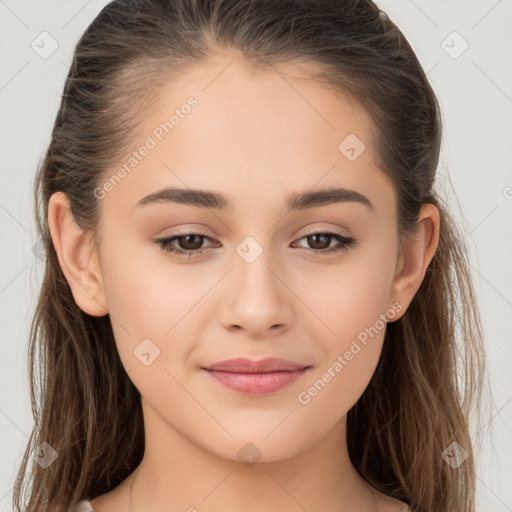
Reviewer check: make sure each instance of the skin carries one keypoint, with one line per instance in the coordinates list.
(256, 137)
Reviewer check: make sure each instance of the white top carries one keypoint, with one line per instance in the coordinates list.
(84, 506)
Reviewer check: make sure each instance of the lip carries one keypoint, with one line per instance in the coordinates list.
(243, 365)
(256, 377)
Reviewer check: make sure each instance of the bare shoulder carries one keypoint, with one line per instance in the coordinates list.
(395, 506)
(402, 507)
(389, 504)
(108, 502)
(105, 503)
(114, 500)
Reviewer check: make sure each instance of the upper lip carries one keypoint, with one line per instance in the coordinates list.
(243, 365)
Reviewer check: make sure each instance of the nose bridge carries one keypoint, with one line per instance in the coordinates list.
(253, 269)
(257, 299)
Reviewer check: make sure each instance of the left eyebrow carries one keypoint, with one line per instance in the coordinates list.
(209, 199)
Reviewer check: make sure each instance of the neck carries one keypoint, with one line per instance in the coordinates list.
(178, 475)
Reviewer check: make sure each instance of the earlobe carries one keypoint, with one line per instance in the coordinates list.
(415, 257)
(77, 256)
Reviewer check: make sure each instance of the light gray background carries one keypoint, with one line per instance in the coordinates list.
(475, 92)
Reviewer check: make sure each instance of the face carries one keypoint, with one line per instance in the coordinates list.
(261, 276)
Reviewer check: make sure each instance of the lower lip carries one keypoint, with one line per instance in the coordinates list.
(257, 383)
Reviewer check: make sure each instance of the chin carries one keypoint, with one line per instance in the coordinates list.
(257, 447)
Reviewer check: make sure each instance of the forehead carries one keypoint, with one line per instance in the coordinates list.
(269, 131)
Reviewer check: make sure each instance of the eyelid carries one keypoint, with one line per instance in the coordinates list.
(313, 231)
(344, 242)
(185, 232)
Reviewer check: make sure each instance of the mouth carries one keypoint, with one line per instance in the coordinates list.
(256, 377)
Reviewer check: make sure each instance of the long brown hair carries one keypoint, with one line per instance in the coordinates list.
(418, 402)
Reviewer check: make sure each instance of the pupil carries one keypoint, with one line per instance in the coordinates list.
(314, 237)
(194, 246)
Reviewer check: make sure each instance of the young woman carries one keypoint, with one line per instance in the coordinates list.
(254, 293)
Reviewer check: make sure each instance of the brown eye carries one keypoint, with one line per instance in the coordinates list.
(320, 242)
(189, 244)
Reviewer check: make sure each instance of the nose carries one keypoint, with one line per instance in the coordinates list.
(258, 298)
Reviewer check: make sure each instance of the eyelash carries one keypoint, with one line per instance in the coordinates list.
(165, 243)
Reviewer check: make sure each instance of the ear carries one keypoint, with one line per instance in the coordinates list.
(415, 256)
(78, 257)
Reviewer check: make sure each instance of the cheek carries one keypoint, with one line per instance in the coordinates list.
(351, 300)
(149, 298)
(144, 293)
(350, 296)
(141, 305)
(350, 356)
